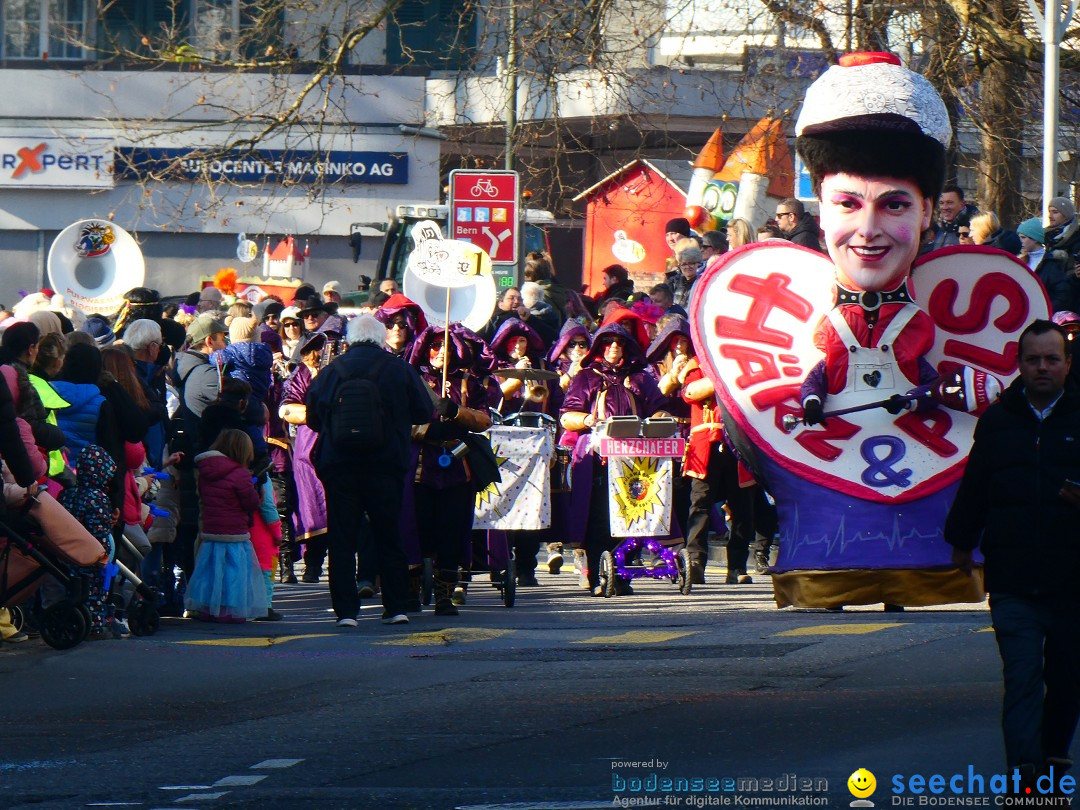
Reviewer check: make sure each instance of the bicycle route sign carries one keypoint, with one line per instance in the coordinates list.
(484, 211)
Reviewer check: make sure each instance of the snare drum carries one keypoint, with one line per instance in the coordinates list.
(561, 464)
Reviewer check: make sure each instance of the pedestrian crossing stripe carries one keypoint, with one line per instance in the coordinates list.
(260, 641)
(638, 637)
(838, 629)
(438, 638)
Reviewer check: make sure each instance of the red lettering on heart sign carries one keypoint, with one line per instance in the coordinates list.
(818, 441)
(757, 365)
(989, 287)
(928, 428)
(766, 295)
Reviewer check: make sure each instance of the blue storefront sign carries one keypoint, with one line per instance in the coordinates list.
(268, 165)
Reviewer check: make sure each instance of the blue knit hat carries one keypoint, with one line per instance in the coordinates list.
(1032, 229)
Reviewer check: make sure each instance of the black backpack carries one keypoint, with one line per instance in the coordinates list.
(356, 417)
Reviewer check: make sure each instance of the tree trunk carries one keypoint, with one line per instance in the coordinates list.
(1003, 118)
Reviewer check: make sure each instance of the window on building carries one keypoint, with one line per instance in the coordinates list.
(438, 34)
(43, 29)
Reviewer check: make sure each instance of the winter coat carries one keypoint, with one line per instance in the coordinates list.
(80, 419)
(1008, 502)
(403, 399)
(88, 501)
(806, 233)
(134, 458)
(251, 362)
(266, 528)
(1060, 282)
(227, 497)
(198, 379)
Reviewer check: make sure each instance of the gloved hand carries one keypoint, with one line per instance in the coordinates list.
(445, 432)
(813, 412)
(446, 408)
(896, 403)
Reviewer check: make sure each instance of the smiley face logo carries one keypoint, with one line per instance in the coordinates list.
(861, 783)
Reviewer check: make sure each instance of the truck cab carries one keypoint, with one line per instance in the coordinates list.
(398, 242)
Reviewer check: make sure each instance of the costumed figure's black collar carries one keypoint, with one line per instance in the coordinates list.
(871, 301)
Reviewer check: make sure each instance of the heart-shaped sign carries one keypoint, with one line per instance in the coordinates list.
(753, 319)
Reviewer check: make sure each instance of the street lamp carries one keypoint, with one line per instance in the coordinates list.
(1053, 28)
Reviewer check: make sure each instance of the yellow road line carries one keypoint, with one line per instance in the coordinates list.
(453, 635)
(638, 637)
(253, 642)
(838, 629)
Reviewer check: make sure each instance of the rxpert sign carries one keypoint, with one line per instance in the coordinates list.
(49, 162)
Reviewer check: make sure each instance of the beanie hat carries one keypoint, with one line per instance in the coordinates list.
(265, 308)
(1032, 229)
(242, 330)
(99, 329)
(1063, 205)
(678, 225)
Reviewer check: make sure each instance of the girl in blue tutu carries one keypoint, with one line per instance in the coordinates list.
(227, 584)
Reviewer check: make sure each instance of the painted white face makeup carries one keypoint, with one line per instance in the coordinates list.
(872, 228)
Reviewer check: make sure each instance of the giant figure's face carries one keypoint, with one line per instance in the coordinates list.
(872, 228)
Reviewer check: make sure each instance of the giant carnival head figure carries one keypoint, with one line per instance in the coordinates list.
(873, 136)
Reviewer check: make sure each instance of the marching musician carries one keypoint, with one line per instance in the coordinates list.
(565, 357)
(517, 345)
(404, 320)
(443, 494)
(613, 382)
(310, 496)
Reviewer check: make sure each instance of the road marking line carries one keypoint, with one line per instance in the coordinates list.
(440, 638)
(838, 629)
(184, 787)
(253, 642)
(985, 630)
(196, 797)
(276, 763)
(113, 804)
(237, 781)
(638, 637)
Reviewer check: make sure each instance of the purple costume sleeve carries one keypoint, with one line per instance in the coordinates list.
(815, 384)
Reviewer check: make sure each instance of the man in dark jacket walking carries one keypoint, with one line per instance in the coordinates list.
(798, 226)
(370, 483)
(1018, 503)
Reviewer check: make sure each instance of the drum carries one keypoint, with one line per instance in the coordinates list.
(561, 464)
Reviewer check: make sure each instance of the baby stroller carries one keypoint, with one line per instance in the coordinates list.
(143, 617)
(28, 555)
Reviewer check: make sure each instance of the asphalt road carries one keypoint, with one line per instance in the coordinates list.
(551, 704)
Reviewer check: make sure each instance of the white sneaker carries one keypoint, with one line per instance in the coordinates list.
(395, 618)
(347, 622)
(120, 628)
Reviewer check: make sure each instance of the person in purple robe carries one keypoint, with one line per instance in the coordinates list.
(614, 381)
(565, 357)
(668, 355)
(517, 345)
(443, 494)
(404, 320)
(310, 496)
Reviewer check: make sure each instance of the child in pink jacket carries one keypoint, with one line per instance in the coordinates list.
(226, 584)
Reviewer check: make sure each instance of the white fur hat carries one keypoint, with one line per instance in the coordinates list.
(873, 91)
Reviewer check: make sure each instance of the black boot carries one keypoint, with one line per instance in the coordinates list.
(445, 582)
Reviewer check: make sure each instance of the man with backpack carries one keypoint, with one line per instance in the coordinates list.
(363, 406)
